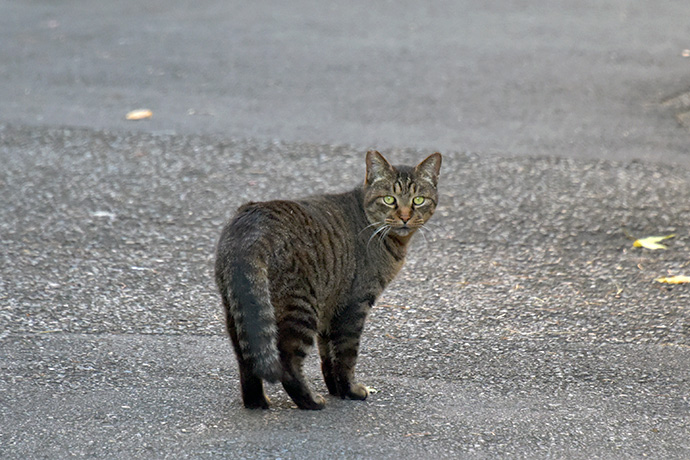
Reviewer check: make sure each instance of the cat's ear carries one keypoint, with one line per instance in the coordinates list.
(377, 167)
(430, 167)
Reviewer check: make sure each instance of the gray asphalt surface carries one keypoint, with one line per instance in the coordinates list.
(524, 325)
(586, 78)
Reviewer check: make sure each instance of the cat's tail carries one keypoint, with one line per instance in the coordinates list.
(254, 317)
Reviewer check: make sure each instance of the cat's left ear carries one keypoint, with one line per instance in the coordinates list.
(430, 168)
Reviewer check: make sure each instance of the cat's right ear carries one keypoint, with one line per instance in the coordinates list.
(377, 167)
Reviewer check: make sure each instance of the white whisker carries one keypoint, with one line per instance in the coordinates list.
(422, 231)
(382, 230)
(433, 231)
(370, 225)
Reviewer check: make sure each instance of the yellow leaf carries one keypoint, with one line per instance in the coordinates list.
(139, 114)
(679, 279)
(652, 242)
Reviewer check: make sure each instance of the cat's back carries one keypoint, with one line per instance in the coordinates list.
(313, 224)
(288, 217)
(310, 239)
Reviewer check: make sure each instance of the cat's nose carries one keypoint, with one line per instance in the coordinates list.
(405, 214)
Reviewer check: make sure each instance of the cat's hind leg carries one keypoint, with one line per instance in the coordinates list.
(346, 330)
(253, 394)
(296, 332)
(252, 387)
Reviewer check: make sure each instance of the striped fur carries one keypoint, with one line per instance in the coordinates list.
(292, 272)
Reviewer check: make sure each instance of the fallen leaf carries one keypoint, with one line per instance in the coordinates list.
(139, 114)
(679, 279)
(652, 242)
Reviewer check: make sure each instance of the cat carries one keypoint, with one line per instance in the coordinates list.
(290, 272)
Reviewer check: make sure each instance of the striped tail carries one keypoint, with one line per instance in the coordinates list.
(255, 320)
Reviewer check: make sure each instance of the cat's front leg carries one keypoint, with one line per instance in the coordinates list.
(346, 330)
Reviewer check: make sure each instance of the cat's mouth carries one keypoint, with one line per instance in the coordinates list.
(404, 230)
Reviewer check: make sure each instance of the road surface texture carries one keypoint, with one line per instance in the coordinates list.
(588, 78)
(524, 324)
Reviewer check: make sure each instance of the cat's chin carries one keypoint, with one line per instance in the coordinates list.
(404, 231)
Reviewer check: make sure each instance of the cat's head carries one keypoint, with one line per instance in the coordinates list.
(398, 200)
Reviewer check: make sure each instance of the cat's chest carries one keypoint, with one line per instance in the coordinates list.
(375, 274)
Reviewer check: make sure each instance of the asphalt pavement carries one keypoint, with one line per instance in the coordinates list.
(524, 324)
(586, 79)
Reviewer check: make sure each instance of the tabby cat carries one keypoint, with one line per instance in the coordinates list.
(292, 271)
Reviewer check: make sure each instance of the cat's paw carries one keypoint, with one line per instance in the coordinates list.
(318, 402)
(348, 390)
(257, 404)
(358, 392)
(256, 401)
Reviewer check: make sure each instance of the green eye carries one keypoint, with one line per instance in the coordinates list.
(389, 200)
(419, 200)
